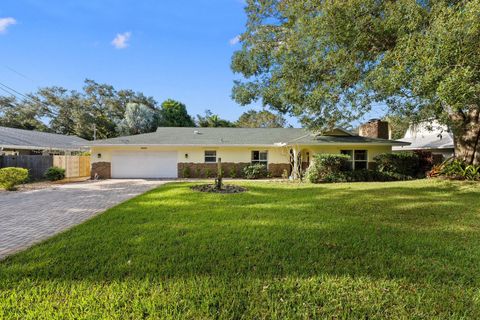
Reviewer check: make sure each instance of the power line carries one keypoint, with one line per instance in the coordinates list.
(11, 89)
(19, 73)
(11, 94)
(25, 97)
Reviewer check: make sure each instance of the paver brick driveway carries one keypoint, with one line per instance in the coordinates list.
(31, 216)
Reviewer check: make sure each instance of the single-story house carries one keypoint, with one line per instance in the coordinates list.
(428, 136)
(194, 152)
(28, 142)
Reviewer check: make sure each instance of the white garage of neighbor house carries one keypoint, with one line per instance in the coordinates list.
(173, 152)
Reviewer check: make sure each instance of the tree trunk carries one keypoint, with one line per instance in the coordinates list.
(297, 164)
(466, 132)
(219, 180)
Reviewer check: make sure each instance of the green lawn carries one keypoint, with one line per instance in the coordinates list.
(281, 250)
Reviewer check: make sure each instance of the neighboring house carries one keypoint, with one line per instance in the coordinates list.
(428, 136)
(193, 152)
(27, 142)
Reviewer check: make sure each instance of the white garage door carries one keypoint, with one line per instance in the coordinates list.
(144, 165)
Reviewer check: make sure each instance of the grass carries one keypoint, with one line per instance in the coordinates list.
(362, 250)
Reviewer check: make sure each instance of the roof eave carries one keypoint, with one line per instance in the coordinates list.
(277, 144)
(17, 147)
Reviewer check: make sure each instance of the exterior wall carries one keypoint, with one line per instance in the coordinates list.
(197, 154)
(209, 170)
(372, 151)
(233, 158)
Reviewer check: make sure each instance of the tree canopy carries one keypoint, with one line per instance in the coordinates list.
(174, 114)
(260, 119)
(18, 115)
(212, 120)
(328, 62)
(97, 107)
(138, 119)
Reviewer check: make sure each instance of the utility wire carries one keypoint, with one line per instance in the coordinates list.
(11, 94)
(18, 73)
(25, 97)
(11, 89)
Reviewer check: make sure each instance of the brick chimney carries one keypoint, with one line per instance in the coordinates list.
(375, 128)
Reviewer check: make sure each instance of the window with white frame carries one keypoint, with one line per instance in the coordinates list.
(210, 156)
(358, 159)
(260, 157)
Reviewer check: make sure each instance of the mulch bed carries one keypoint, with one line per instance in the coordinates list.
(228, 188)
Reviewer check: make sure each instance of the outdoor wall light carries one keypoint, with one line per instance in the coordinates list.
(99, 155)
(186, 155)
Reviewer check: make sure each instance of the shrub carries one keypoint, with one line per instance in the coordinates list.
(233, 171)
(198, 173)
(374, 175)
(333, 168)
(11, 177)
(255, 171)
(55, 173)
(426, 160)
(457, 169)
(186, 173)
(472, 172)
(208, 173)
(403, 163)
(326, 167)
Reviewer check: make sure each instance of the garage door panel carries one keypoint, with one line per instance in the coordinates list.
(144, 165)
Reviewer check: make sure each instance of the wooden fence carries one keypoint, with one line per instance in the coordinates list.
(36, 164)
(75, 166)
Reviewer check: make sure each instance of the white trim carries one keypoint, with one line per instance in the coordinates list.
(205, 156)
(353, 157)
(82, 148)
(259, 161)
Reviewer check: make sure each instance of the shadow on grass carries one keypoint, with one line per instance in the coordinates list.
(419, 232)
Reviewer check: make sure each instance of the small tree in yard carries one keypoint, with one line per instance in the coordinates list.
(11, 177)
(219, 179)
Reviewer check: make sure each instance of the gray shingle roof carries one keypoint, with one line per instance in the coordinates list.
(27, 139)
(235, 136)
(427, 135)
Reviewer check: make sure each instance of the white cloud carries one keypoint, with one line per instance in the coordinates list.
(121, 40)
(5, 23)
(234, 41)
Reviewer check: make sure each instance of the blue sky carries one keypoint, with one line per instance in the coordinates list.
(176, 48)
(179, 49)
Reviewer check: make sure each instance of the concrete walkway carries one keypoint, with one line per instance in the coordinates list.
(32, 216)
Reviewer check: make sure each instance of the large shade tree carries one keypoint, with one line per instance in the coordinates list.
(261, 119)
(174, 114)
(15, 113)
(96, 110)
(327, 62)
